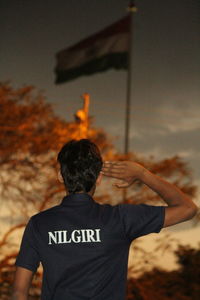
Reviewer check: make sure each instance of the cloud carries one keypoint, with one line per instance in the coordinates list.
(165, 120)
(189, 153)
(180, 120)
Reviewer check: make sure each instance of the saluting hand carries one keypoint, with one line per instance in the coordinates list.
(126, 171)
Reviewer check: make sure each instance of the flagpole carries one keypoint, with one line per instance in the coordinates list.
(132, 9)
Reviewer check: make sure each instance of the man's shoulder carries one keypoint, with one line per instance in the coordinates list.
(47, 212)
(110, 210)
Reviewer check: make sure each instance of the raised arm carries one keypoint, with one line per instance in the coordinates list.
(180, 207)
(22, 282)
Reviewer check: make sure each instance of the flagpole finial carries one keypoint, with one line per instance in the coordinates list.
(132, 7)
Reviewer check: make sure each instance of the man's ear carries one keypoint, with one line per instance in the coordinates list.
(99, 178)
(60, 178)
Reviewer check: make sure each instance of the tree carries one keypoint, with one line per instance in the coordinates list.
(31, 135)
(181, 284)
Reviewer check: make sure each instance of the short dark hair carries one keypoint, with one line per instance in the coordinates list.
(81, 163)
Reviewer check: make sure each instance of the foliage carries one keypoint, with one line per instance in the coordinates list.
(181, 284)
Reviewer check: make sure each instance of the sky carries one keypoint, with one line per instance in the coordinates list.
(165, 104)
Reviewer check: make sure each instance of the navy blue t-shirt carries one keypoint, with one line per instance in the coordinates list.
(83, 246)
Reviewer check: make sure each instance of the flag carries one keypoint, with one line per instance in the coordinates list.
(102, 51)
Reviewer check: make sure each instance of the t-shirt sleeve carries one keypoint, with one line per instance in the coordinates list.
(142, 219)
(28, 256)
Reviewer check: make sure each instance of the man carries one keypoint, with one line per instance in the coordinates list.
(83, 246)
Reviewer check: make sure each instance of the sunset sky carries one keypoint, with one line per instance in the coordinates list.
(166, 85)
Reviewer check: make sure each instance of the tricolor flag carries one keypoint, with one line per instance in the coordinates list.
(102, 51)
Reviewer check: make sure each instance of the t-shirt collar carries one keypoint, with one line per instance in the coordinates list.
(77, 199)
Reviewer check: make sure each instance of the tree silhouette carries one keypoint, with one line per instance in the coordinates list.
(181, 284)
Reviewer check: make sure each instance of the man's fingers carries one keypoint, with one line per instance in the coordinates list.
(116, 164)
(113, 174)
(113, 167)
(111, 170)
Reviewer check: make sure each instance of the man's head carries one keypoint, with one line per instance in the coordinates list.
(80, 163)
